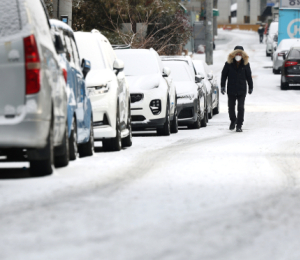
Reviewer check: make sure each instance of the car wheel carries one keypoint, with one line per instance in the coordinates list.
(197, 124)
(166, 130)
(174, 124)
(267, 54)
(216, 110)
(62, 155)
(114, 144)
(87, 149)
(44, 167)
(204, 120)
(127, 141)
(210, 114)
(73, 147)
(284, 86)
(276, 71)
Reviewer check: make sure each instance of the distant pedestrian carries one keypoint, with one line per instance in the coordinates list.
(238, 73)
(261, 31)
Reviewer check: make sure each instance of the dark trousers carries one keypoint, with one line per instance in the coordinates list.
(240, 107)
(261, 37)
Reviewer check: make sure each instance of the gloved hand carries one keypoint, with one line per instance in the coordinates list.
(250, 91)
(223, 90)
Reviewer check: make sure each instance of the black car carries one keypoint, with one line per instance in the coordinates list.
(290, 70)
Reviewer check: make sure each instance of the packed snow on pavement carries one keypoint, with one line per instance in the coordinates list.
(200, 194)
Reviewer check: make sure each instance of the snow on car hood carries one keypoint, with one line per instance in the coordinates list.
(183, 87)
(143, 82)
(98, 77)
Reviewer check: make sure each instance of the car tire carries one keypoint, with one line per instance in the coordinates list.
(204, 120)
(210, 114)
(276, 71)
(197, 124)
(283, 86)
(87, 149)
(127, 141)
(62, 160)
(174, 124)
(114, 144)
(216, 110)
(166, 129)
(40, 168)
(73, 147)
(268, 54)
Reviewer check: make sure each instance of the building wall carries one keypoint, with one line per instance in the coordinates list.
(224, 11)
(64, 8)
(242, 11)
(255, 11)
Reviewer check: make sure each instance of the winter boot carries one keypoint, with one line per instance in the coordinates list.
(239, 128)
(232, 125)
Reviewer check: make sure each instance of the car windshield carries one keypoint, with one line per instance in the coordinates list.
(294, 54)
(179, 70)
(89, 49)
(273, 28)
(200, 68)
(138, 63)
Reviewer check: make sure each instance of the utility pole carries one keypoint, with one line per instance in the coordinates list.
(215, 18)
(209, 32)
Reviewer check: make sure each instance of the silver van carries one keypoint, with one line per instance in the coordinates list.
(33, 101)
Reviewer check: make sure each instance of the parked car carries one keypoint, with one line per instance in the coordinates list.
(211, 96)
(80, 117)
(153, 99)
(290, 72)
(272, 30)
(108, 90)
(191, 103)
(211, 81)
(33, 100)
(282, 50)
(275, 43)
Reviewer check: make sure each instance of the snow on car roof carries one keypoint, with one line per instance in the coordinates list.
(60, 25)
(286, 44)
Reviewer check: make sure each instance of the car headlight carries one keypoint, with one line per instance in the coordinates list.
(188, 96)
(101, 89)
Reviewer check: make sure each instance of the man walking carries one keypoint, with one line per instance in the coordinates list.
(261, 31)
(237, 71)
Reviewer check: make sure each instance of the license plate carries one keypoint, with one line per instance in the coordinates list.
(294, 85)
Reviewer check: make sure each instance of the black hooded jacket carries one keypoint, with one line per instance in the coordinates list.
(237, 76)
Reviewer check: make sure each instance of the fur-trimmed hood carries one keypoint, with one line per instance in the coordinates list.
(244, 56)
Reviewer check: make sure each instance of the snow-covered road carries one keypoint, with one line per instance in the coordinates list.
(199, 194)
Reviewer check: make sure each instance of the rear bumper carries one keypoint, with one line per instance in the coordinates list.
(104, 132)
(292, 81)
(27, 134)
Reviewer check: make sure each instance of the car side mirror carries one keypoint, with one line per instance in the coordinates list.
(86, 67)
(166, 72)
(284, 56)
(59, 47)
(118, 66)
(198, 78)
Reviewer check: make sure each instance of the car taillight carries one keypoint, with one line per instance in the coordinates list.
(32, 65)
(290, 63)
(65, 73)
(280, 54)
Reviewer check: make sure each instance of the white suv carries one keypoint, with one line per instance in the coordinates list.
(108, 91)
(153, 95)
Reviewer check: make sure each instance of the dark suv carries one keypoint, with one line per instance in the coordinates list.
(290, 71)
